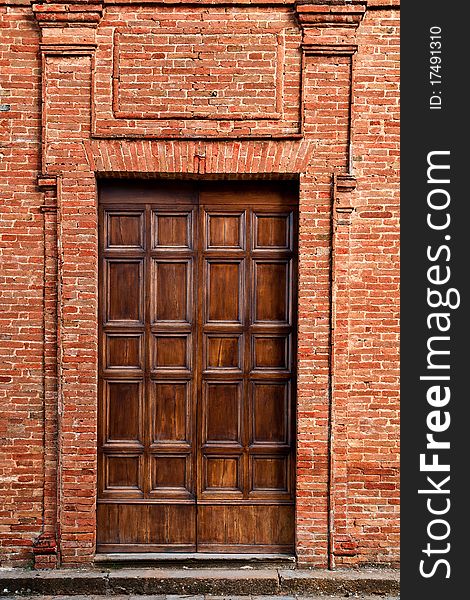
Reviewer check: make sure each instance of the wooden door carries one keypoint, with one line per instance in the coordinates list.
(197, 368)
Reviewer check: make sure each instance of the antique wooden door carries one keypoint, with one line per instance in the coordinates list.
(196, 448)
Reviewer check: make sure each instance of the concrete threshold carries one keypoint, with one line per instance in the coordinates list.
(189, 581)
(197, 560)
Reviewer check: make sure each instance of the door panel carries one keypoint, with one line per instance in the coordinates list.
(170, 404)
(171, 352)
(225, 231)
(222, 474)
(272, 231)
(172, 230)
(271, 353)
(124, 230)
(222, 409)
(171, 292)
(271, 290)
(123, 412)
(246, 528)
(123, 475)
(197, 368)
(270, 412)
(125, 291)
(144, 527)
(123, 351)
(223, 352)
(224, 288)
(171, 473)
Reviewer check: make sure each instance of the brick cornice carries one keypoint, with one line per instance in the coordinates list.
(371, 4)
(61, 49)
(48, 185)
(47, 182)
(346, 183)
(380, 4)
(329, 49)
(343, 186)
(330, 13)
(310, 13)
(68, 28)
(80, 14)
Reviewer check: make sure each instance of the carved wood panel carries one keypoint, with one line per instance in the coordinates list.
(197, 369)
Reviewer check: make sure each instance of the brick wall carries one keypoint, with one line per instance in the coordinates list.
(249, 89)
(21, 286)
(368, 385)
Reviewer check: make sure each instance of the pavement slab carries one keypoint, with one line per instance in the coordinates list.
(174, 597)
(199, 584)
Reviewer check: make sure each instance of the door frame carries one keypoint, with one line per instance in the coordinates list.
(325, 207)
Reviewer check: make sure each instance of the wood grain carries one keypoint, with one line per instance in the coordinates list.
(197, 367)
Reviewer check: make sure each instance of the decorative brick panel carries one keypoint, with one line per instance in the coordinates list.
(172, 72)
(211, 75)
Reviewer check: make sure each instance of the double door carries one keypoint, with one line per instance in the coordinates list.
(197, 368)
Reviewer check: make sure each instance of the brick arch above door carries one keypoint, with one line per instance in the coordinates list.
(203, 157)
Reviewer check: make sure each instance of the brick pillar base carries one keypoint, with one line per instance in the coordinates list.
(45, 552)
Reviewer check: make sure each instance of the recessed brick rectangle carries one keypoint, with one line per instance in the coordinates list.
(206, 75)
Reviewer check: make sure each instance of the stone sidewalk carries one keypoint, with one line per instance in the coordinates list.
(199, 583)
(170, 597)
